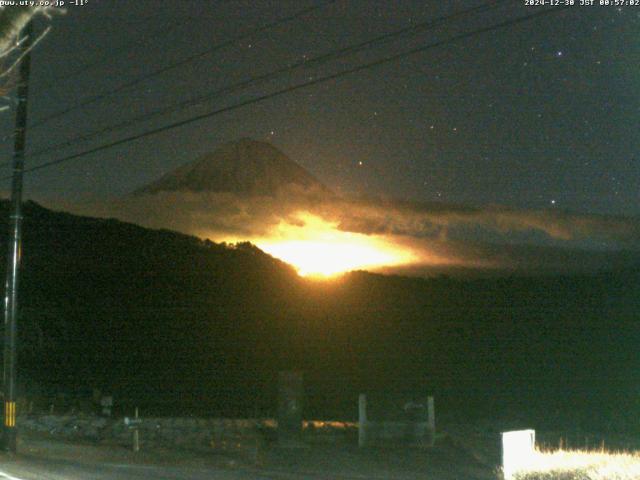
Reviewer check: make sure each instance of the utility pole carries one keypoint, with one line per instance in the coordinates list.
(9, 437)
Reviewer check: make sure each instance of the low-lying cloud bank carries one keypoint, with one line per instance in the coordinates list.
(439, 235)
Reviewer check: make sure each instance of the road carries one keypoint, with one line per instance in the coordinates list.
(48, 459)
(29, 468)
(51, 459)
(26, 468)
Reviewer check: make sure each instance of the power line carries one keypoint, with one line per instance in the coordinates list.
(102, 59)
(318, 60)
(297, 87)
(284, 91)
(541, 146)
(175, 65)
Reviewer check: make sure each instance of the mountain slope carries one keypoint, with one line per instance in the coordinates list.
(245, 167)
(165, 321)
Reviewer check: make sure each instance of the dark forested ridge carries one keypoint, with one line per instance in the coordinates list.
(157, 316)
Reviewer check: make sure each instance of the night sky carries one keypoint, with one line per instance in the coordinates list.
(539, 114)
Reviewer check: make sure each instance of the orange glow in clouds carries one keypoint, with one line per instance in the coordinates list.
(318, 248)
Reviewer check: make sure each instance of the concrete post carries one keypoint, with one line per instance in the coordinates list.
(431, 420)
(290, 399)
(362, 420)
(136, 434)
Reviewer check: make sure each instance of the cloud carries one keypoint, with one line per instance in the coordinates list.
(491, 237)
(425, 220)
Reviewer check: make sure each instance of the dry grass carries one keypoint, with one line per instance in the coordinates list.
(582, 465)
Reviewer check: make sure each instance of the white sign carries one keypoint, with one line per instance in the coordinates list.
(518, 448)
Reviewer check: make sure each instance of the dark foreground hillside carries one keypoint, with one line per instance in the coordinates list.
(169, 322)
